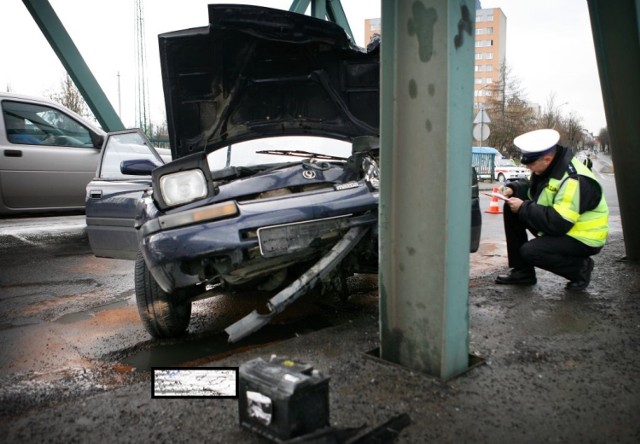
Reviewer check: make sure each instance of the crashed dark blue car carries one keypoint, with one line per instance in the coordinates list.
(274, 122)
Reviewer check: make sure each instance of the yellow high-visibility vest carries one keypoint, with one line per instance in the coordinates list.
(590, 227)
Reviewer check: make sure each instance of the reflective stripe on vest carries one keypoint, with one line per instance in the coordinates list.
(590, 227)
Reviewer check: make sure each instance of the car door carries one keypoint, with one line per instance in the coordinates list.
(112, 196)
(48, 156)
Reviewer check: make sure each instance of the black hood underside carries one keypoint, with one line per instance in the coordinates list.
(258, 72)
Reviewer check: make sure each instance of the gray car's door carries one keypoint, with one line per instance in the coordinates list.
(112, 195)
(47, 158)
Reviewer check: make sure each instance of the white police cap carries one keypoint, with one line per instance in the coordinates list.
(535, 144)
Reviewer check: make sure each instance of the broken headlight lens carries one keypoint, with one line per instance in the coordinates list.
(371, 172)
(183, 187)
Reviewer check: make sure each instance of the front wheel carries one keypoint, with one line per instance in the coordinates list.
(501, 177)
(163, 315)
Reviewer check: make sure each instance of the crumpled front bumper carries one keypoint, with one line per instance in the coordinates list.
(169, 250)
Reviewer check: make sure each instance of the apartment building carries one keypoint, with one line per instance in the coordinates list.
(490, 52)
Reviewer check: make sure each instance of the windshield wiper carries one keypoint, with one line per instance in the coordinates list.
(300, 153)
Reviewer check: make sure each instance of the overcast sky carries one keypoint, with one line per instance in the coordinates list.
(549, 48)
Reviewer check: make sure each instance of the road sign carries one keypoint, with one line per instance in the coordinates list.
(481, 132)
(482, 117)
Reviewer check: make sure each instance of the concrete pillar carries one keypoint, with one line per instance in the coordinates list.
(425, 200)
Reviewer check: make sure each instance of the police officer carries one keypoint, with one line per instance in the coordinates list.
(562, 205)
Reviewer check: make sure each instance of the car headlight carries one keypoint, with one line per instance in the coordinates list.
(183, 187)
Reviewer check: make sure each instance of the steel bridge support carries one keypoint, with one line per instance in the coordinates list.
(326, 10)
(62, 44)
(425, 199)
(616, 39)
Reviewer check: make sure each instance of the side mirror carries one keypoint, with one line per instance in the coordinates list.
(138, 167)
(96, 139)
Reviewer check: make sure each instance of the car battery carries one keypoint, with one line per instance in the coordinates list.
(281, 398)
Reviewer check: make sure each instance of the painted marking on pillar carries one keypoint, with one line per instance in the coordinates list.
(421, 25)
(465, 24)
(413, 89)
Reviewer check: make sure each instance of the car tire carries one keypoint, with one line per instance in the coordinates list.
(500, 177)
(163, 315)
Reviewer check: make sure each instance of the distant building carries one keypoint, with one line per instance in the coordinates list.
(490, 54)
(372, 27)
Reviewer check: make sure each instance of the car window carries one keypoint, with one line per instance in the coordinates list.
(505, 162)
(127, 146)
(246, 153)
(32, 124)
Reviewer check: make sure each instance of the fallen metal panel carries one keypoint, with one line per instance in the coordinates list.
(255, 321)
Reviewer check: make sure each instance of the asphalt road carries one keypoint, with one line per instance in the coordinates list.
(69, 324)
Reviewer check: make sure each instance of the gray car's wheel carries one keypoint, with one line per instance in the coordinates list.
(500, 177)
(163, 315)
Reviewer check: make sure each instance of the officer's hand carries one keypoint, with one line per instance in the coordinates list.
(515, 204)
(506, 191)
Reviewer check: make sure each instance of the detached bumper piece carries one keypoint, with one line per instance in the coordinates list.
(255, 321)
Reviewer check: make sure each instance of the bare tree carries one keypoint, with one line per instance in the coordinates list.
(570, 127)
(160, 130)
(159, 134)
(511, 115)
(550, 116)
(604, 139)
(68, 95)
(509, 111)
(571, 131)
(587, 141)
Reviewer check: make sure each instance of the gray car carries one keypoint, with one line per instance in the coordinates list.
(48, 154)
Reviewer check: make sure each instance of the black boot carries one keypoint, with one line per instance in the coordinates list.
(584, 279)
(518, 276)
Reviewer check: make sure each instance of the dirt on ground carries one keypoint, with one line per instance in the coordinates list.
(552, 366)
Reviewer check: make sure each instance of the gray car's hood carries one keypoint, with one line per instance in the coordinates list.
(258, 72)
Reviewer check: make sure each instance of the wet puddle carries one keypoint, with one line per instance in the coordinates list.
(199, 351)
(71, 318)
(302, 317)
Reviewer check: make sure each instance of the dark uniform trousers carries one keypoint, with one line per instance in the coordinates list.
(562, 255)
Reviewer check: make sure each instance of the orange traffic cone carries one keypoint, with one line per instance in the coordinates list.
(494, 207)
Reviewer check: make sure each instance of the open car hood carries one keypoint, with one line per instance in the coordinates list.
(258, 72)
